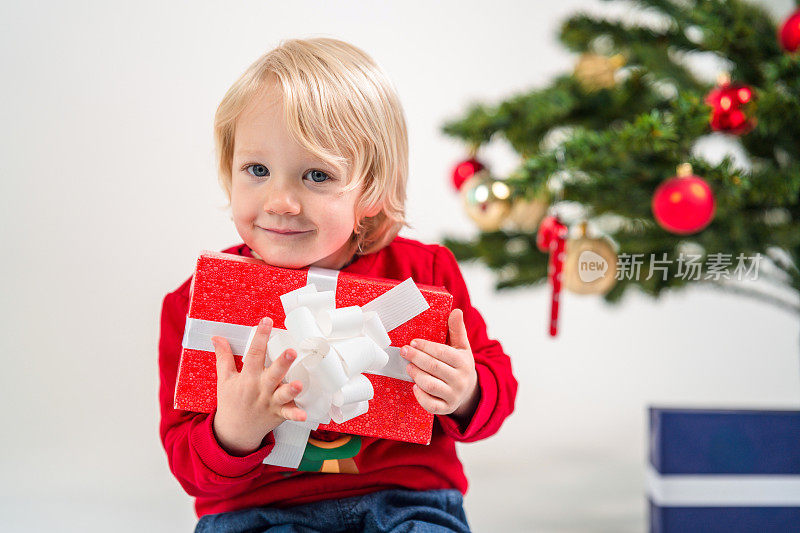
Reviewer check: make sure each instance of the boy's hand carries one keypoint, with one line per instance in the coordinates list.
(253, 402)
(444, 376)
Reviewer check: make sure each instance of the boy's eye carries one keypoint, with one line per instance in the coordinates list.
(317, 176)
(257, 170)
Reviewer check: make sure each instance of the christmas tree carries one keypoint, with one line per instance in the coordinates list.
(602, 146)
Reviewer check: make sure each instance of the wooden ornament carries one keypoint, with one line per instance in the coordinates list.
(590, 266)
(526, 213)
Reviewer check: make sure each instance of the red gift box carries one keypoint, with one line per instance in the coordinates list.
(230, 292)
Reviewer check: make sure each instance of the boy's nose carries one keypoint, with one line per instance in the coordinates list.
(280, 199)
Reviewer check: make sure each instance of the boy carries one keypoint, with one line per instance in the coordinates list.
(313, 155)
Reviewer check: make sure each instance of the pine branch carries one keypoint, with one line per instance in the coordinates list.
(739, 31)
(641, 46)
(755, 294)
(677, 13)
(525, 119)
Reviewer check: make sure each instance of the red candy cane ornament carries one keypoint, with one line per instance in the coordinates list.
(551, 238)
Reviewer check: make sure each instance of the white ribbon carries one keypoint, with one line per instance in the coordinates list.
(335, 347)
(722, 490)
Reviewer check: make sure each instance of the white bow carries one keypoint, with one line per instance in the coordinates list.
(334, 346)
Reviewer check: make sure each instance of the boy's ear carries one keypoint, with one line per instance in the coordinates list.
(373, 211)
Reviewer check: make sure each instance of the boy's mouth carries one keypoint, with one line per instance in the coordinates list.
(278, 231)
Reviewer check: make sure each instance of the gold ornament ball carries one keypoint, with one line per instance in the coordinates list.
(486, 200)
(595, 71)
(590, 265)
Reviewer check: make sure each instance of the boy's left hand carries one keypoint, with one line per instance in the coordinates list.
(444, 376)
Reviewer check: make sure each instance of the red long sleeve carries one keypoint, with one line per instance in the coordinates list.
(495, 379)
(195, 457)
(221, 482)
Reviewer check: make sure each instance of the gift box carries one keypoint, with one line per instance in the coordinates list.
(724, 470)
(354, 323)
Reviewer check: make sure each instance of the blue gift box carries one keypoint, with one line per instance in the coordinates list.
(724, 470)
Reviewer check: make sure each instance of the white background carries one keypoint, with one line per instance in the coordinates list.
(109, 191)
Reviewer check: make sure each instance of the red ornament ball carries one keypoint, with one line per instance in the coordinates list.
(729, 106)
(465, 170)
(734, 122)
(683, 204)
(789, 33)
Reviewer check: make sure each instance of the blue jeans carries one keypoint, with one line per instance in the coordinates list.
(386, 510)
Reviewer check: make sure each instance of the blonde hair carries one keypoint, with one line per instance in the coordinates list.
(342, 107)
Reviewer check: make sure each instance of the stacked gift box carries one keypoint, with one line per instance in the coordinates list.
(724, 470)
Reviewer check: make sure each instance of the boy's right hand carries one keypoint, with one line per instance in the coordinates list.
(253, 402)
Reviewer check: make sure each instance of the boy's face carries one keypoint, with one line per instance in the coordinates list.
(277, 185)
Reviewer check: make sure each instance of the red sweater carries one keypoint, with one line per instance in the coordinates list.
(222, 482)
